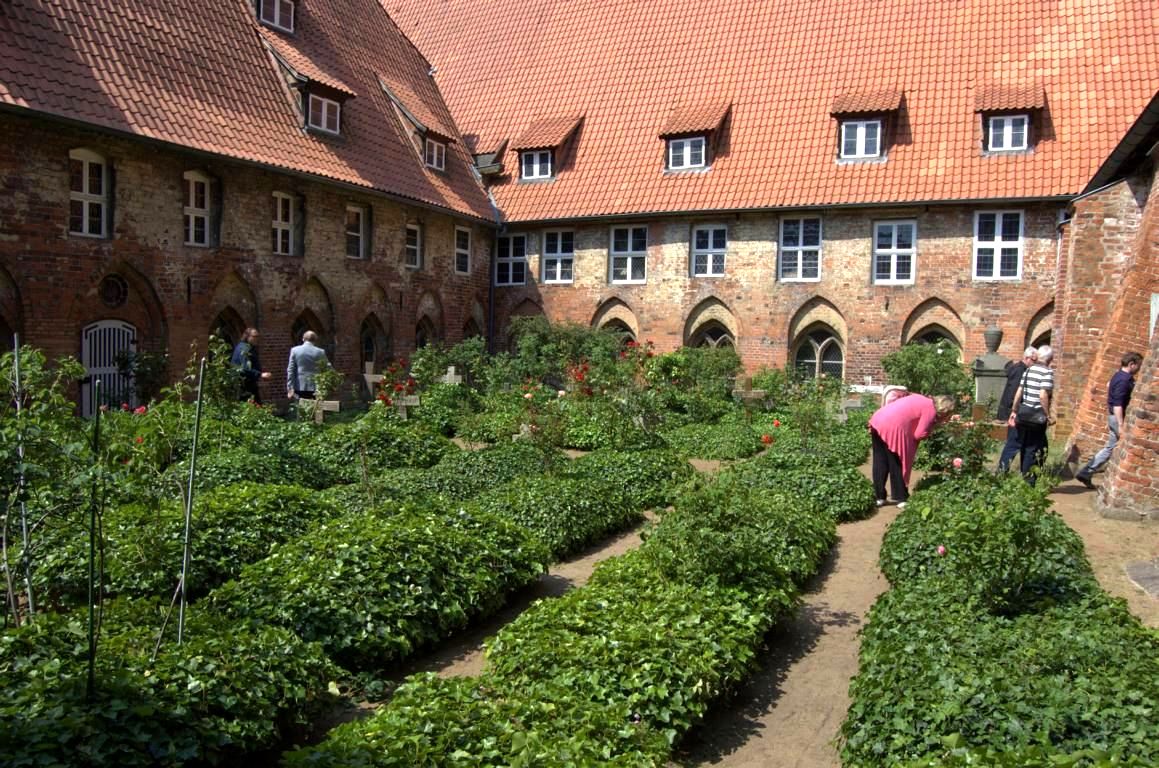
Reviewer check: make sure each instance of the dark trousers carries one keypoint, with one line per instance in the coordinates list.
(1011, 449)
(887, 463)
(250, 391)
(1034, 447)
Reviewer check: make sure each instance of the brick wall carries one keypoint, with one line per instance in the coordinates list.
(177, 293)
(768, 318)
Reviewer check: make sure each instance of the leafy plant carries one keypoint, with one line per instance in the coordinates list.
(648, 478)
(931, 369)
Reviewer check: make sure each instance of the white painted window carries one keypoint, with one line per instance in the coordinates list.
(894, 245)
(536, 165)
(462, 250)
(278, 13)
(283, 224)
(860, 139)
(325, 114)
(800, 250)
(1008, 133)
(413, 249)
(558, 255)
(435, 154)
(686, 153)
(88, 197)
(709, 244)
(629, 254)
(356, 231)
(196, 209)
(511, 260)
(998, 245)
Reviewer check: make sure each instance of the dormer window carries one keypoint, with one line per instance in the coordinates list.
(686, 153)
(1007, 133)
(536, 165)
(435, 154)
(278, 14)
(860, 139)
(325, 114)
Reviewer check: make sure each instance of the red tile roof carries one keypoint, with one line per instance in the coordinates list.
(699, 118)
(627, 64)
(547, 133)
(866, 103)
(996, 98)
(198, 75)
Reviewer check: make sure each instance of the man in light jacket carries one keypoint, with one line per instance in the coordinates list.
(306, 361)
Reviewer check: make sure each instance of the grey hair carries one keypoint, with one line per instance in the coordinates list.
(1045, 353)
(1030, 352)
(310, 336)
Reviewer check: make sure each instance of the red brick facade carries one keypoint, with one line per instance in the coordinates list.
(177, 294)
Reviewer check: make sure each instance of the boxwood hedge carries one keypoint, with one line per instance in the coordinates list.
(649, 478)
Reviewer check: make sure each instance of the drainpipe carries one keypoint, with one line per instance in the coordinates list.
(499, 228)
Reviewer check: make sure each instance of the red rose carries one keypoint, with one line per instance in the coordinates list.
(140, 439)
(767, 439)
(776, 422)
(141, 410)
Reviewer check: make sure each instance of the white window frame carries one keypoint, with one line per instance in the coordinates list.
(274, 13)
(537, 164)
(283, 226)
(1000, 134)
(359, 233)
(799, 249)
(462, 253)
(997, 245)
(193, 213)
(435, 154)
(861, 140)
(556, 258)
(508, 262)
(629, 257)
(708, 253)
(412, 248)
(682, 153)
(329, 108)
(87, 197)
(894, 251)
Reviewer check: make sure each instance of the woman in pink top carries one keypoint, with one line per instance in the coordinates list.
(896, 429)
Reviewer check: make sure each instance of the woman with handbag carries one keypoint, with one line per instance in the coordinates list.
(1030, 412)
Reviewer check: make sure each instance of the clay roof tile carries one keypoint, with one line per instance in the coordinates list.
(696, 118)
(998, 98)
(547, 133)
(866, 103)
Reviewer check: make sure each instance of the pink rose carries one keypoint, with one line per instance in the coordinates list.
(955, 417)
(528, 396)
(941, 550)
(957, 463)
(141, 410)
(776, 422)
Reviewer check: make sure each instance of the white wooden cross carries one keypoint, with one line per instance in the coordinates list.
(321, 407)
(451, 377)
(371, 378)
(402, 402)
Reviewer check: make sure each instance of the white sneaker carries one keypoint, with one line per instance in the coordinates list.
(879, 503)
(901, 505)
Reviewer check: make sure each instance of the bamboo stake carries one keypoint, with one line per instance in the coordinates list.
(26, 556)
(185, 555)
(91, 687)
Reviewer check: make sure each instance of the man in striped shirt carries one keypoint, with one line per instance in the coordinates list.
(1035, 391)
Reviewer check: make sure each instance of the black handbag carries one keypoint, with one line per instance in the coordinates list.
(1029, 415)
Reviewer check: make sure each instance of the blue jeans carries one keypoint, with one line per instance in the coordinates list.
(1104, 455)
(1011, 449)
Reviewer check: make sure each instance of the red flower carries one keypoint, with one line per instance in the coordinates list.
(776, 422)
(403, 362)
(579, 376)
(767, 439)
(399, 387)
(141, 410)
(124, 406)
(140, 439)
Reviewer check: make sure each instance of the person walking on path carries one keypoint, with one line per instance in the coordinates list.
(1118, 397)
(1014, 371)
(306, 361)
(895, 430)
(245, 360)
(1034, 391)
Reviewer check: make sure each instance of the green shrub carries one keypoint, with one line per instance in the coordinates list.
(649, 478)
(239, 465)
(840, 491)
(502, 413)
(444, 406)
(958, 756)
(433, 722)
(932, 369)
(565, 514)
(377, 441)
(374, 586)
(1001, 543)
(591, 423)
(225, 692)
(462, 475)
(728, 440)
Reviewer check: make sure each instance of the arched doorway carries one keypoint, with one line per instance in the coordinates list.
(103, 343)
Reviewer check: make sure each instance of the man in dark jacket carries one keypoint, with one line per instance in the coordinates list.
(1014, 371)
(245, 360)
(1118, 398)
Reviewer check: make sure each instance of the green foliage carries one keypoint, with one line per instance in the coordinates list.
(958, 756)
(373, 587)
(1003, 547)
(376, 441)
(225, 692)
(429, 364)
(566, 514)
(726, 440)
(444, 406)
(480, 725)
(695, 381)
(931, 369)
(649, 478)
(502, 413)
(593, 423)
(544, 351)
(841, 492)
(958, 439)
(463, 475)
(240, 465)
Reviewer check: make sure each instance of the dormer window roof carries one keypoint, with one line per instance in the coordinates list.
(866, 103)
(278, 14)
(548, 133)
(302, 69)
(1009, 98)
(429, 135)
(695, 119)
(864, 120)
(1008, 114)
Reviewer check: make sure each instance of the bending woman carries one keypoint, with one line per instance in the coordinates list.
(896, 429)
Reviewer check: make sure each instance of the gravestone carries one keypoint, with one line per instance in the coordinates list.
(450, 377)
(403, 402)
(371, 378)
(322, 407)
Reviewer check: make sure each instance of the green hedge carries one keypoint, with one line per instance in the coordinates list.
(226, 691)
(649, 478)
(565, 514)
(462, 475)
(239, 465)
(842, 492)
(377, 441)
(374, 586)
(725, 441)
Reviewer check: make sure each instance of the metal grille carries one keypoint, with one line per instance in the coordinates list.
(101, 342)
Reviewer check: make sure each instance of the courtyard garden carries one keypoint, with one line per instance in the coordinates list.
(195, 585)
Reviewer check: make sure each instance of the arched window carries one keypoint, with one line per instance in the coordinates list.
(89, 191)
(373, 345)
(620, 327)
(712, 335)
(228, 326)
(471, 329)
(820, 353)
(425, 333)
(6, 335)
